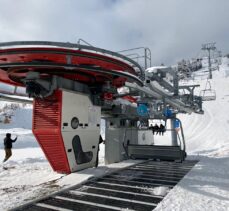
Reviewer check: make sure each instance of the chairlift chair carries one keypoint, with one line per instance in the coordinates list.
(159, 121)
(161, 152)
(208, 94)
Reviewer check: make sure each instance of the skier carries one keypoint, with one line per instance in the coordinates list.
(8, 146)
(151, 127)
(161, 129)
(155, 129)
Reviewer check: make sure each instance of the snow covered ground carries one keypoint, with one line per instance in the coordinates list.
(205, 187)
(30, 177)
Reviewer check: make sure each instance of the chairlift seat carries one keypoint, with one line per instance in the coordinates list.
(208, 94)
(172, 153)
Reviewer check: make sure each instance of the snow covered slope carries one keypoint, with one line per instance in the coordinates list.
(208, 134)
(20, 125)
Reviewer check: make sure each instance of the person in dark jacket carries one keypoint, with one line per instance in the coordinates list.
(155, 129)
(8, 146)
(97, 158)
(161, 129)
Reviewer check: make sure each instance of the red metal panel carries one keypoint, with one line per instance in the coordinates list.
(47, 130)
(59, 56)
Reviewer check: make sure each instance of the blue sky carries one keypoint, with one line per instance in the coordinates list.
(172, 29)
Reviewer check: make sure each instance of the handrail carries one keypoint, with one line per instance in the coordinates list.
(182, 134)
(180, 146)
(13, 93)
(146, 50)
(78, 42)
(15, 99)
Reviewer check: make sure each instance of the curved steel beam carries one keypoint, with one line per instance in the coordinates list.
(127, 75)
(73, 45)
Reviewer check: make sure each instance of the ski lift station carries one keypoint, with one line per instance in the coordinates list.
(74, 86)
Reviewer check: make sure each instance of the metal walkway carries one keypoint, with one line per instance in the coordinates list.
(131, 188)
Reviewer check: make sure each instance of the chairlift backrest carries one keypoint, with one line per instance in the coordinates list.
(208, 93)
(176, 124)
(153, 122)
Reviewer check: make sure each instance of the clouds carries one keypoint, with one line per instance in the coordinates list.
(172, 29)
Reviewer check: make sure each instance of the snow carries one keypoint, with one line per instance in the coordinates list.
(205, 187)
(159, 191)
(20, 125)
(155, 69)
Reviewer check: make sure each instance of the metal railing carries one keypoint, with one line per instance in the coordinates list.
(146, 56)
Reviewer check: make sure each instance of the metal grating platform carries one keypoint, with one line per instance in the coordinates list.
(131, 188)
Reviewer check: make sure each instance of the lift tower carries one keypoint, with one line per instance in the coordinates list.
(209, 47)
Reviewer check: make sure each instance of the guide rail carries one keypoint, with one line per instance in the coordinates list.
(132, 188)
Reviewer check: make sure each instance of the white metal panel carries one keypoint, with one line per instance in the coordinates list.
(79, 105)
(145, 137)
(89, 141)
(115, 137)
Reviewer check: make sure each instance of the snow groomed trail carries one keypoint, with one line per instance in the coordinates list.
(139, 187)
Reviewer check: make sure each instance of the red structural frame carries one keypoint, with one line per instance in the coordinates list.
(47, 130)
(54, 59)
